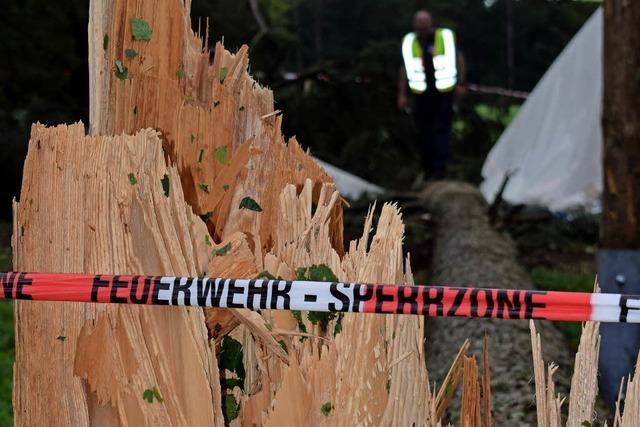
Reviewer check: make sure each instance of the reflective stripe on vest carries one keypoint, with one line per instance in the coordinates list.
(444, 61)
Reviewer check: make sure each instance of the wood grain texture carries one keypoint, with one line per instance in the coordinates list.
(215, 106)
(81, 364)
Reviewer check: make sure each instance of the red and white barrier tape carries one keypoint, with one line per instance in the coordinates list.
(259, 294)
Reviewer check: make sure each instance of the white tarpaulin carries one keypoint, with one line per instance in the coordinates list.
(554, 144)
(349, 185)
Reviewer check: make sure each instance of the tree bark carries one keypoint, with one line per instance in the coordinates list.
(620, 226)
(470, 252)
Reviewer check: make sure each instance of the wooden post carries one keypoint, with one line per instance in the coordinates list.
(620, 228)
(619, 254)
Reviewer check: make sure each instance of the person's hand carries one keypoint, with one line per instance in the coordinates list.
(460, 90)
(403, 101)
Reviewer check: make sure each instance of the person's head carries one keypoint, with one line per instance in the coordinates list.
(422, 23)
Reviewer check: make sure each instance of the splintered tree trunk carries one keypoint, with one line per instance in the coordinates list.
(620, 226)
(80, 364)
(168, 201)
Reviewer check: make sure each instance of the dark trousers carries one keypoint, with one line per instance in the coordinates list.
(433, 115)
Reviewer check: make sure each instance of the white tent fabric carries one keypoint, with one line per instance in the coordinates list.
(348, 185)
(554, 144)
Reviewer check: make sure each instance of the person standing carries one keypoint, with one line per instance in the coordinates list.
(433, 71)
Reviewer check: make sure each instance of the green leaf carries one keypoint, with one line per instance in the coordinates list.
(180, 72)
(140, 29)
(284, 346)
(230, 409)
(448, 391)
(230, 383)
(586, 424)
(165, 185)
(105, 41)
(231, 357)
(298, 316)
(132, 178)
(223, 74)
(130, 53)
(249, 203)
(317, 273)
(223, 250)
(321, 318)
(225, 187)
(207, 215)
(151, 393)
(221, 154)
(268, 326)
(338, 327)
(326, 408)
(200, 155)
(207, 240)
(187, 98)
(203, 187)
(265, 274)
(122, 72)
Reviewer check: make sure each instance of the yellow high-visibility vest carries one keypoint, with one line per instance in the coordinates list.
(444, 61)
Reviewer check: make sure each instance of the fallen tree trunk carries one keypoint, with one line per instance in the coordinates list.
(469, 252)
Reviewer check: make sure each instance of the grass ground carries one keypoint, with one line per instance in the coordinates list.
(7, 353)
(566, 277)
(559, 253)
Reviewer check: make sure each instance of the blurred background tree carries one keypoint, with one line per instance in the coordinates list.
(332, 64)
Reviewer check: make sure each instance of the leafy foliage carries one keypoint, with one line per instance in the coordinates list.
(265, 275)
(152, 393)
(223, 250)
(130, 53)
(221, 154)
(165, 185)
(326, 408)
(298, 316)
(203, 187)
(132, 178)
(320, 273)
(121, 72)
(140, 29)
(231, 357)
(230, 409)
(223, 74)
(249, 203)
